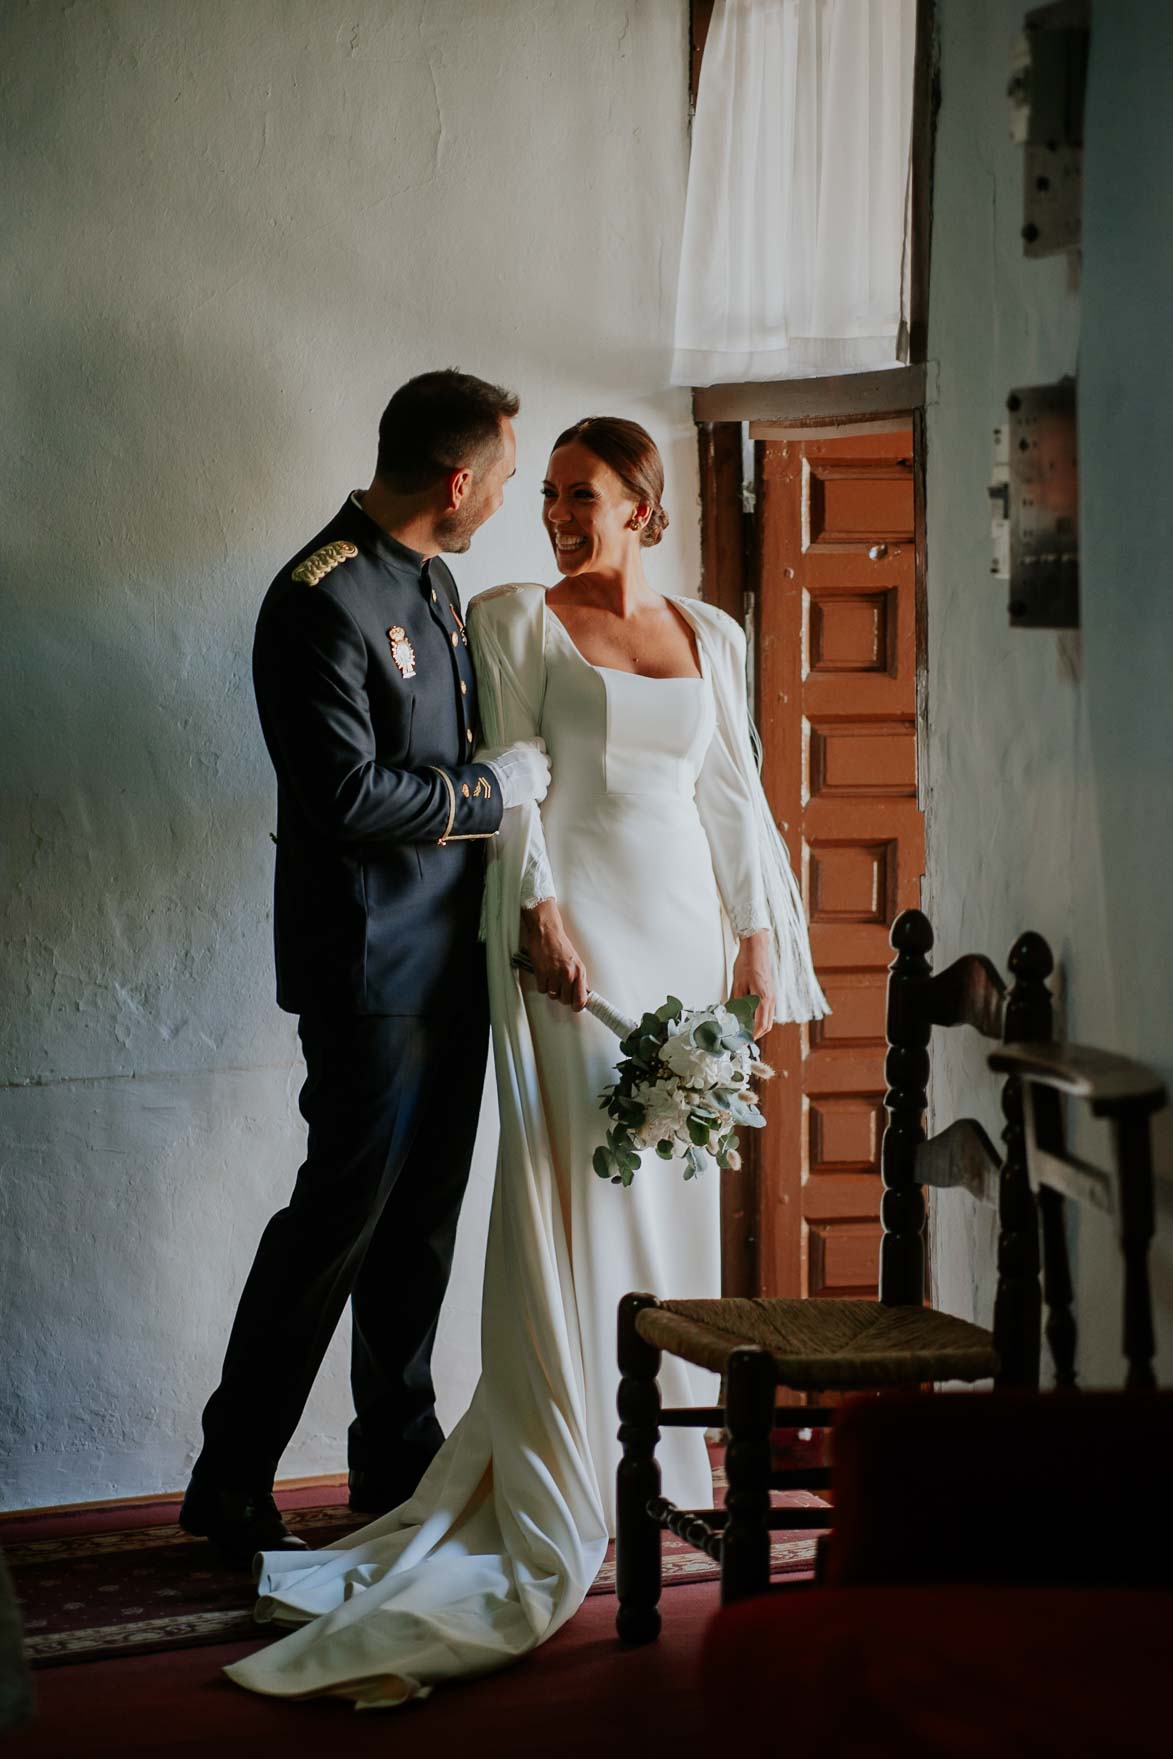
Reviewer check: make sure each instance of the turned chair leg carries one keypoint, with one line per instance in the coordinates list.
(637, 1535)
(749, 1418)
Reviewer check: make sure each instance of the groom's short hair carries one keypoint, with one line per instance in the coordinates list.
(440, 422)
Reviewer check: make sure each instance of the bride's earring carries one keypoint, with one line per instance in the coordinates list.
(635, 523)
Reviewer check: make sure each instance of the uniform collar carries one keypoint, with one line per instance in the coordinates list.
(371, 536)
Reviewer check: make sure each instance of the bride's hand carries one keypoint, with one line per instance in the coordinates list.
(557, 967)
(753, 975)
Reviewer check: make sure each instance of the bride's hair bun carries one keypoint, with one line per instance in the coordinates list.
(634, 457)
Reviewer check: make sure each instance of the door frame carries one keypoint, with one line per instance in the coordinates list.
(728, 540)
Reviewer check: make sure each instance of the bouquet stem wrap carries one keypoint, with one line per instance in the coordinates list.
(596, 1004)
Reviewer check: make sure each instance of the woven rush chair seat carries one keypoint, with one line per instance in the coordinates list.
(825, 1343)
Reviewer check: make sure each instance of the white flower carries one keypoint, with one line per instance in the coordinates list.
(666, 1115)
(686, 1025)
(695, 1066)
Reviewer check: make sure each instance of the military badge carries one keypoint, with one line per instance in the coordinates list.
(402, 651)
(316, 567)
(483, 790)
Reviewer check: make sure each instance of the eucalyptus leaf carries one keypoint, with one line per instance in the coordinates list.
(743, 1113)
(602, 1162)
(665, 1150)
(745, 1008)
(670, 1010)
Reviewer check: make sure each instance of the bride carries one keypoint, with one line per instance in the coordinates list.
(652, 868)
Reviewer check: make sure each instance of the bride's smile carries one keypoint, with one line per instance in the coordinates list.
(593, 524)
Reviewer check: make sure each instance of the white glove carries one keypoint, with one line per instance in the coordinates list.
(522, 771)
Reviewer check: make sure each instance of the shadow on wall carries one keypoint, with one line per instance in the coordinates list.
(137, 869)
(135, 880)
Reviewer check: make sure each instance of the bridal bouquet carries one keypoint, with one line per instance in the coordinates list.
(686, 1079)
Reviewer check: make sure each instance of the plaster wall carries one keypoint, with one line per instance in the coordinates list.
(1048, 762)
(233, 229)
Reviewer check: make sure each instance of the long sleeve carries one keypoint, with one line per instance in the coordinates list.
(727, 813)
(751, 862)
(510, 712)
(309, 667)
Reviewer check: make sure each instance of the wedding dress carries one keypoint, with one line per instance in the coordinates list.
(657, 843)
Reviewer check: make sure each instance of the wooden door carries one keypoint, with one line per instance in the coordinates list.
(836, 705)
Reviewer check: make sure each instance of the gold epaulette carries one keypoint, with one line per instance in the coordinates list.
(316, 567)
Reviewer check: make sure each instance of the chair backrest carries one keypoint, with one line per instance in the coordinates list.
(969, 992)
(1127, 1094)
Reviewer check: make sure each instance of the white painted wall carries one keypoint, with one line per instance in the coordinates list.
(233, 229)
(1050, 762)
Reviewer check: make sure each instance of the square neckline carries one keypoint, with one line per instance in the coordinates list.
(701, 677)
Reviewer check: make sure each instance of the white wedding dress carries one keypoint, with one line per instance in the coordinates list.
(651, 839)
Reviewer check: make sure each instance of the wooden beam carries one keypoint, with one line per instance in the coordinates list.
(848, 397)
(829, 430)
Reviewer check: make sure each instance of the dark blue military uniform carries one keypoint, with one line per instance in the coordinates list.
(367, 701)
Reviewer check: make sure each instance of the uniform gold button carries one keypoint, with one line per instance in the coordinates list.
(455, 638)
(468, 734)
(464, 789)
(463, 688)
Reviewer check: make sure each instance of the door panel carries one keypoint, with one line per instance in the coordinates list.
(836, 699)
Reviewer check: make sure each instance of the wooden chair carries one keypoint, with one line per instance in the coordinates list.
(1127, 1095)
(806, 1346)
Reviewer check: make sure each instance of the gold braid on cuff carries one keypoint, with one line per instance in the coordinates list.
(447, 781)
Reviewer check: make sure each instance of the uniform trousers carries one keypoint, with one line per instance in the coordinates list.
(392, 1103)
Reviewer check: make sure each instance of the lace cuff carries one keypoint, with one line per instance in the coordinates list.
(537, 882)
(748, 918)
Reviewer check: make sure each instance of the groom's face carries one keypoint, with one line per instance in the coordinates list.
(482, 497)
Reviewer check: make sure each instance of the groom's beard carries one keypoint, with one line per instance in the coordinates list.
(455, 530)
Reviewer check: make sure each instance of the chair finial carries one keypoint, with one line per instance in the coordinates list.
(1031, 958)
(912, 932)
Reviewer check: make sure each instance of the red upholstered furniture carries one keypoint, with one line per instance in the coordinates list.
(926, 1673)
(1051, 1489)
(999, 1581)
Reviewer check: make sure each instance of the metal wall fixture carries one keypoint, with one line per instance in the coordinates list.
(1048, 77)
(1042, 496)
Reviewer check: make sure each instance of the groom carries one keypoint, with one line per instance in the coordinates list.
(368, 706)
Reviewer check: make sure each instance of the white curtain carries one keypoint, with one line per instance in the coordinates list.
(794, 257)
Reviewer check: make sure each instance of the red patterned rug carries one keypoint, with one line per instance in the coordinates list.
(90, 1595)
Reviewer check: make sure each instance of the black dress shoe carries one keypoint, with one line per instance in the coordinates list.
(239, 1523)
(371, 1494)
